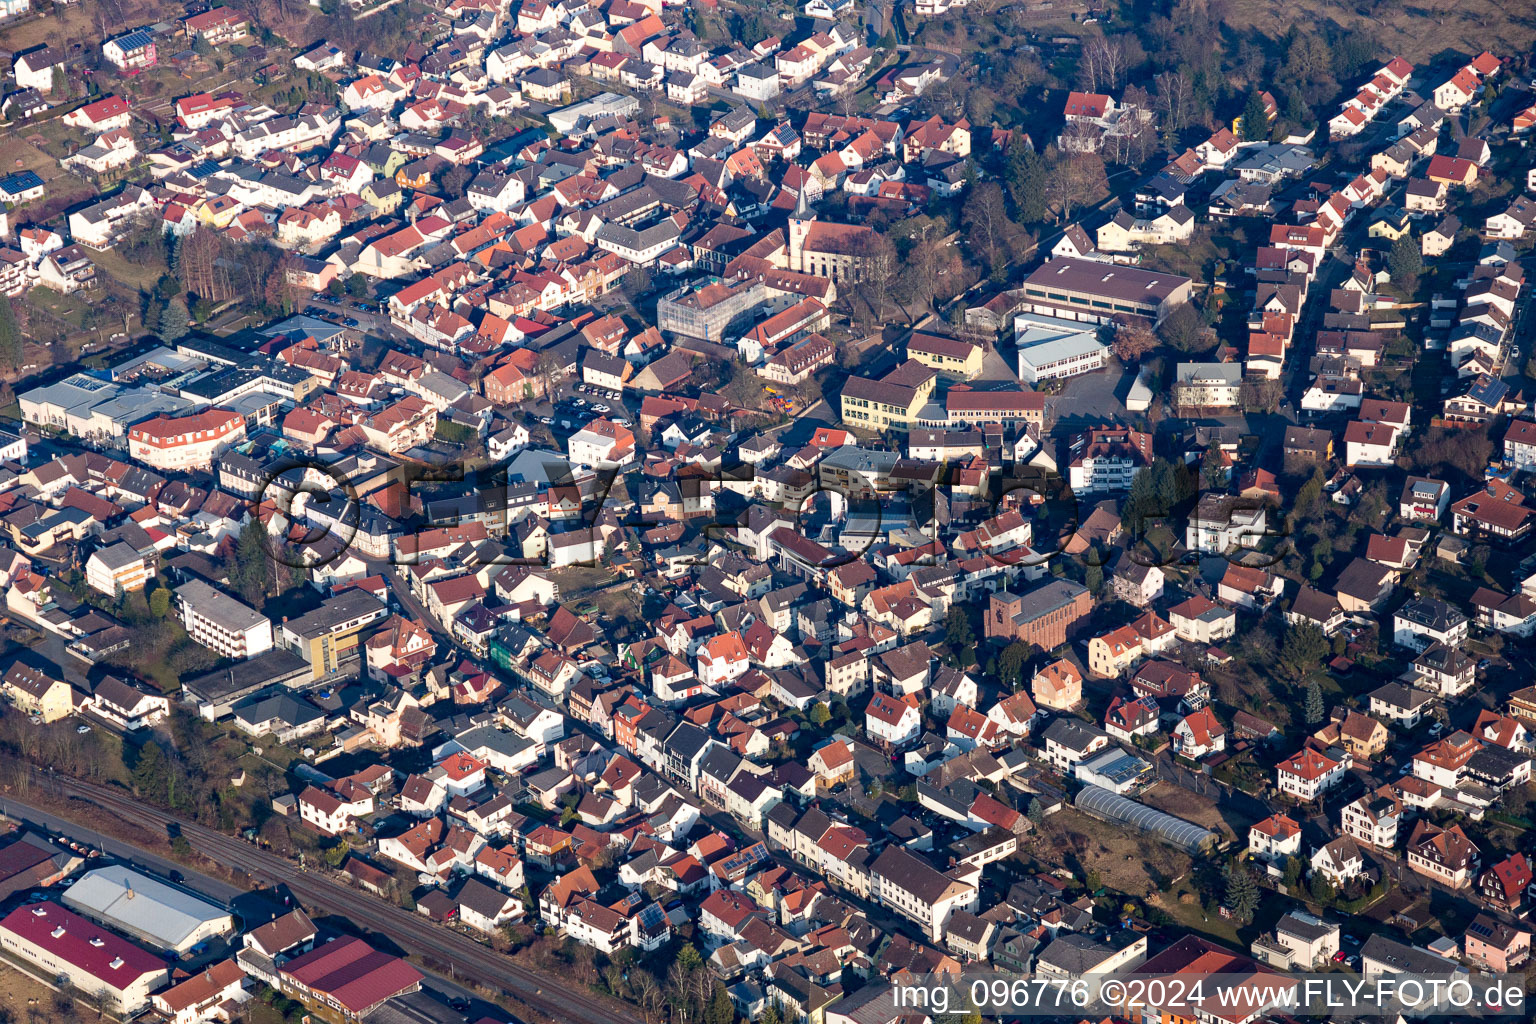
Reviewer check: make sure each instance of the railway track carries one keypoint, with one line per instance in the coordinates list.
(470, 960)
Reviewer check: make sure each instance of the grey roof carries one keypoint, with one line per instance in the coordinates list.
(1075, 953)
(284, 707)
(1397, 958)
(1073, 733)
(482, 898)
(1399, 696)
(118, 556)
(1044, 600)
(1304, 926)
(214, 604)
(345, 607)
(1431, 613)
(141, 906)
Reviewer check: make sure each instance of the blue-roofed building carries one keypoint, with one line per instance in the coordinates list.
(21, 187)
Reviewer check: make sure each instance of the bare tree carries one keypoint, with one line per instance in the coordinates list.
(1102, 67)
(1073, 181)
(877, 264)
(985, 216)
(1175, 100)
(646, 989)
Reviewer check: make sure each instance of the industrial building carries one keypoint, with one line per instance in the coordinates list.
(147, 909)
(83, 954)
(348, 978)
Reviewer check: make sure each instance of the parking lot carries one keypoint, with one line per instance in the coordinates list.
(1092, 398)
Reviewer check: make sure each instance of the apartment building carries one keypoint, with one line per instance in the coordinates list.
(328, 637)
(916, 890)
(185, 442)
(118, 568)
(218, 621)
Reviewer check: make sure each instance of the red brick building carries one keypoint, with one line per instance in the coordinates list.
(1046, 616)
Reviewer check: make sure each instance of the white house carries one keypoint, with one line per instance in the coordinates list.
(1309, 773)
(1427, 620)
(892, 720)
(1275, 838)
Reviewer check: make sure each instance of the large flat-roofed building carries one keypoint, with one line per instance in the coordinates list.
(1086, 290)
(217, 692)
(218, 621)
(606, 104)
(92, 408)
(1051, 348)
(147, 909)
(84, 954)
(328, 637)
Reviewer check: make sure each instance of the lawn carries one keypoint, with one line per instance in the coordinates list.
(24, 156)
(70, 22)
(136, 275)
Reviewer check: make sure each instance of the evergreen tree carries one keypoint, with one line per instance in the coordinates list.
(1026, 183)
(1293, 869)
(1010, 665)
(1255, 123)
(688, 957)
(1242, 893)
(160, 602)
(175, 321)
(152, 774)
(11, 341)
(1405, 262)
(1314, 709)
(1304, 648)
(957, 628)
(720, 1009)
(250, 574)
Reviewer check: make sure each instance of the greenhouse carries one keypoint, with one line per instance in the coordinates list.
(1107, 806)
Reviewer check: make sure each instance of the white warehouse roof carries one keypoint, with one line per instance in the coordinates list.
(146, 908)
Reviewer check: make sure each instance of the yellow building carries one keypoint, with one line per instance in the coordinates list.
(36, 693)
(890, 403)
(949, 357)
(328, 637)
